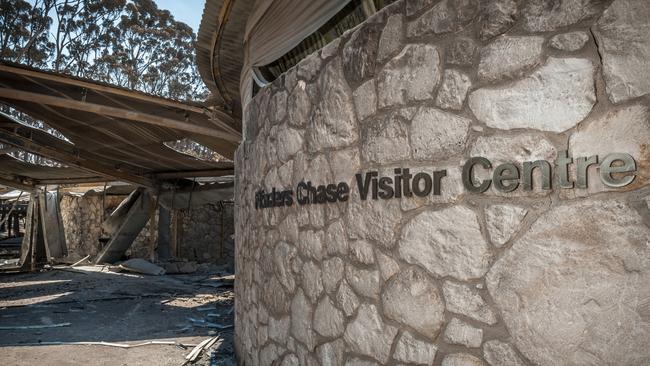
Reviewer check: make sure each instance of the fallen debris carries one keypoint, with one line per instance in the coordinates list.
(139, 265)
(40, 326)
(207, 324)
(180, 267)
(196, 351)
(80, 261)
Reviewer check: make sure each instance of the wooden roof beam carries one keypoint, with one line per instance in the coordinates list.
(16, 183)
(194, 174)
(14, 94)
(60, 155)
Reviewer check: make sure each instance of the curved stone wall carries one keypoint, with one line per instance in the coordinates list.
(548, 276)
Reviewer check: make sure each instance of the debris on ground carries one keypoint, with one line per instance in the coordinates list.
(139, 265)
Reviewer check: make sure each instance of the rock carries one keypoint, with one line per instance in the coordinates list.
(514, 148)
(412, 75)
(623, 129)
(360, 54)
(498, 353)
(301, 315)
(279, 329)
(554, 98)
(545, 15)
(345, 164)
(509, 57)
(278, 107)
(623, 37)
(368, 335)
(375, 220)
(461, 51)
(347, 299)
(438, 135)
(282, 258)
(415, 6)
(503, 221)
(462, 359)
(290, 360)
(557, 285)
(392, 37)
(334, 122)
(362, 252)
(285, 174)
(496, 17)
(289, 143)
(359, 362)
(446, 16)
(331, 49)
(328, 320)
(336, 240)
(274, 296)
(452, 189)
(570, 42)
(434, 240)
(365, 100)
(385, 139)
(453, 90)
(311, 280)
(269, 353)
(331, 354)
(462, 299)
(333, 270)
(309, 67)
(311, 244)
(299, 105)
(387, 265)
(412, 350)
(364, 281)
(459, 332)
(412, 298)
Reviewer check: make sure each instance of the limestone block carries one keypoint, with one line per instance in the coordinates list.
(274, 296)
(333, 270)
(331, 353)
(345, 164)
(328, 320)
(362, 252)
(392, 37)
(311, 244)
(290, 360)
(496, 17)
(299, 105)
(543, 16)
(446, 16)
(282, 258)
(621, 130)
(312, 281)
(375, 220)
(623, 37)
(347, 299)
(555, 98)
(462, 359)
(412, 350)
(278, 107)
(464, 300)
(385, 139)
(412, 75)
(461, 51)
(435, 241)
(387, 265)
(309, 67)
(365, 100)
(360, 54)
(279, 329)
(503, 221)
(301, 315)
(269, 353)
(509, 57)
(415, 6)
(498, 353)
(438, 135)
(412, 298)
(453, 90)
(354, 361)
(580, 269)
(336, 241)
(368, 335)
(459, 332)
(570, 42)
(331, 49)
(334, 122)
(364, 281)
(452, 189)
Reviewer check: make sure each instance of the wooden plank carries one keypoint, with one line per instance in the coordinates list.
(195, 173)
(135, 220)
(62, 156)
(103, 110)
(16, 184)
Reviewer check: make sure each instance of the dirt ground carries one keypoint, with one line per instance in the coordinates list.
(92, 304)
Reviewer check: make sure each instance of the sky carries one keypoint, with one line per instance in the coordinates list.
(186, 11)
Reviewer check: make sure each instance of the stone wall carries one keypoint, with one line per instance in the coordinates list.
(205, 233)
(542, 277)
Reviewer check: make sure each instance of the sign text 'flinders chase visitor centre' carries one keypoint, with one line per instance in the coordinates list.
(616, 170)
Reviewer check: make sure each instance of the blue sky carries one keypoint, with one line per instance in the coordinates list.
(186, 11)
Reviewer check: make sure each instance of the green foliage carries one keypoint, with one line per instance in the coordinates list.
(131, 43)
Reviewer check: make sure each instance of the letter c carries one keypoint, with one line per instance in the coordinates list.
(468, 177)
